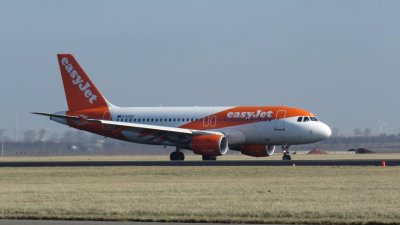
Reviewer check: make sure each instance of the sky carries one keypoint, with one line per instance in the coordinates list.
(337, 59)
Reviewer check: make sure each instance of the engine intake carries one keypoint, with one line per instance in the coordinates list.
(258, 150)
(210, 145)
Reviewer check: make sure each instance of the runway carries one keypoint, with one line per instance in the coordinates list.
(365, 162)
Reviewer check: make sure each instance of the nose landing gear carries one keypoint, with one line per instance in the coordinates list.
(286, 154)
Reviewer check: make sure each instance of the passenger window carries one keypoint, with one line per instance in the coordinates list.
(306, 119)
(174, 119)
(299, 119)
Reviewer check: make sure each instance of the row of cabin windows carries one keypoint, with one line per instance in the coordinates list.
(184, 119)
(306, 118)
(156, 120)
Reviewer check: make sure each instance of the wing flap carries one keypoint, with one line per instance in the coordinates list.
(143, 126)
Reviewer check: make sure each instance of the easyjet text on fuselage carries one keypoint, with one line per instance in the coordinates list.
(250, 115)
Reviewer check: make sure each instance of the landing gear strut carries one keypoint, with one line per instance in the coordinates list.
(177, 155)
(286, 154)
(209, 157)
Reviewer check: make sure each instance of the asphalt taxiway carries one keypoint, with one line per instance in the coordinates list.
(361, 162)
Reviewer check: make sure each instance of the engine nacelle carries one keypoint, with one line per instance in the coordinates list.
(235, 137)
(210, 144)
(258, 150)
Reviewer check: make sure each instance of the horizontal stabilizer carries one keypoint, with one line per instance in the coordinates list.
(56, 115)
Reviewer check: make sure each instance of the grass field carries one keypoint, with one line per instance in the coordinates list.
(318, 195)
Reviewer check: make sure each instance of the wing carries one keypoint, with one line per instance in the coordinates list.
(142, 133)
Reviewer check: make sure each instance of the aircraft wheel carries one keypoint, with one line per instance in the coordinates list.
(286, 157)
(208, 157)
(177, 156)
(181, 156)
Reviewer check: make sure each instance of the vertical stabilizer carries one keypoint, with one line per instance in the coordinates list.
(80, 91)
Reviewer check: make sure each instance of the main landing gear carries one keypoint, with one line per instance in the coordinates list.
(177, 155)
(286, 154)
(209, 157)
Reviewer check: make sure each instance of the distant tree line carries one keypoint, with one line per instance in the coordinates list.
(72, 141)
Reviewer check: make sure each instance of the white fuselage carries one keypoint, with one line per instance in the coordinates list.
(267, 132)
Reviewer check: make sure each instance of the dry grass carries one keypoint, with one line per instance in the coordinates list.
(215, 194)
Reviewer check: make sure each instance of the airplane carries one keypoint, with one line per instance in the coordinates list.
(207, 131)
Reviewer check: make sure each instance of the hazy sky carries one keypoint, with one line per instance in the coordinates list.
(338, 59)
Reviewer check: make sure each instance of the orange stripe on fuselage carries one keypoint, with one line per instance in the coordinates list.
(244, 115)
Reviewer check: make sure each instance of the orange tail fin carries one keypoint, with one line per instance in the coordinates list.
(80, 91)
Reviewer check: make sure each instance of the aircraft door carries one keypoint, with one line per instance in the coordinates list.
(279, 120)
(213, 121)
(209, 121)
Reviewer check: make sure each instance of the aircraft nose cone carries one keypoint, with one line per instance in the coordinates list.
(325, 131)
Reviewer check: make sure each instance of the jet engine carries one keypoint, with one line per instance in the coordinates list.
(258, 150)
(209, 145)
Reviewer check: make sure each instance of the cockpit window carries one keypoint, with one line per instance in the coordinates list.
(306, 119)
(313, 119)
(299, 119)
